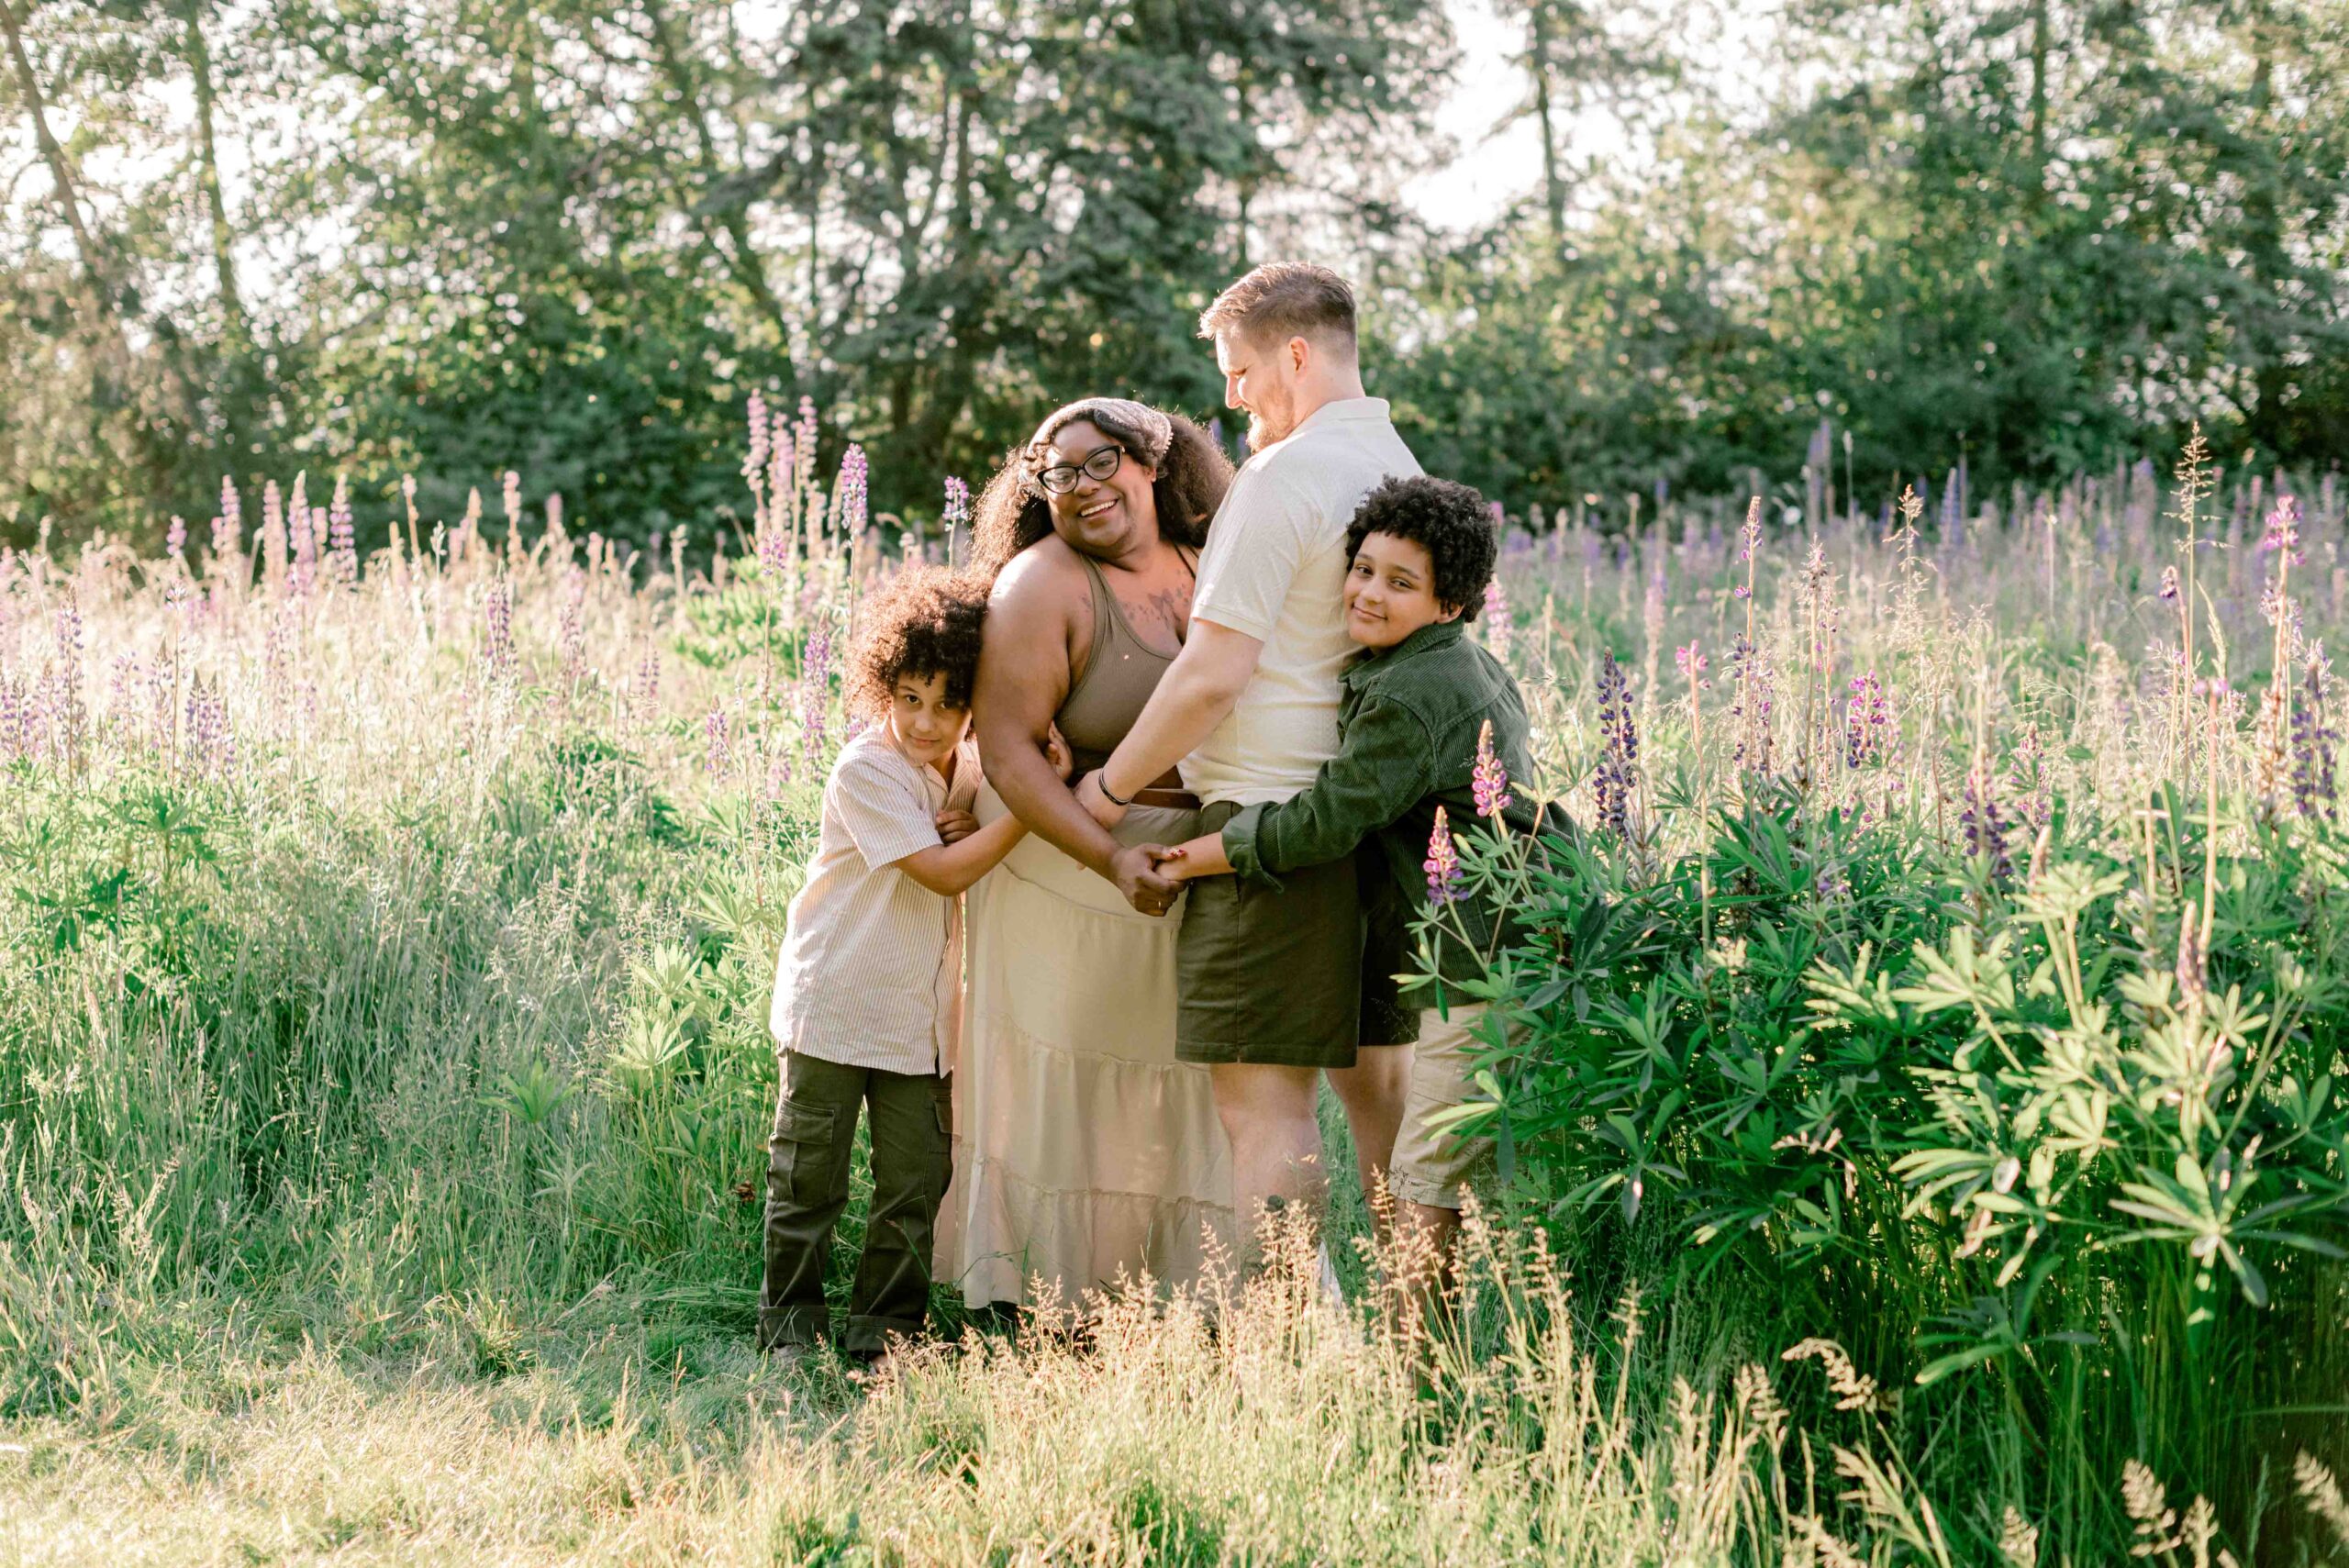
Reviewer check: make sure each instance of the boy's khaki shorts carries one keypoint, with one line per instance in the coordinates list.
(1430, 1165)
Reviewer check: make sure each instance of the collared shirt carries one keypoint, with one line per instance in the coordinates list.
(1408, 726)
(1273, 568)
(872, 966)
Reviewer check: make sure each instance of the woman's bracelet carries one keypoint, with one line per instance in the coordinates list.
(1111, 798)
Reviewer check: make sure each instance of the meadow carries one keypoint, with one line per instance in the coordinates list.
(1928, 1147)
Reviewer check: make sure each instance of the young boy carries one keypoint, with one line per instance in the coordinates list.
(1415, 705)
(866, 991)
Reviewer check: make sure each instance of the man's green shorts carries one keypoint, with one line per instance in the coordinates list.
(1275, 977)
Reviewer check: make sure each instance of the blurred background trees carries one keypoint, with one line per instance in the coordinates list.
(568, 238)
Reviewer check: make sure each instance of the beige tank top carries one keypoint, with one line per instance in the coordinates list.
(1120, 672)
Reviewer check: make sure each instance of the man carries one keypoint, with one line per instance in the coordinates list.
(1274, 991)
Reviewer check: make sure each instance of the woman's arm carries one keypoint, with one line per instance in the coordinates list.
(1023, 680)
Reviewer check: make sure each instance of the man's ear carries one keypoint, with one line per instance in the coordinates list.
(1300, 353)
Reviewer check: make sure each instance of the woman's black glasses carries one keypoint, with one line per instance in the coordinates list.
(1061, 478)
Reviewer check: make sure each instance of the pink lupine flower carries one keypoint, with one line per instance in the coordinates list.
(1443, 864)
(1490, 782)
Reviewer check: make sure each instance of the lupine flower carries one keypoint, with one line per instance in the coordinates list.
(175, 537)
(1490, 782)
(1619, 760)
(1867, 722)
(2169, 590)
(816, 689)
(343, 536)
(498, 645)
(2284, 528)
(305, 569)
(648, 688)
(1692, 665)
(511, 494)
(1442, 864)
(1756, 736)
(1496, 621)
(718, 750)
(573, 637)
(855, 477)
(1984, 828)
(229, 527)
(754, 456)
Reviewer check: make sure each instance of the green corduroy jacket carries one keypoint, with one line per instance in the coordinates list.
(1407, 721)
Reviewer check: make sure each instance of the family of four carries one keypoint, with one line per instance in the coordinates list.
(1087, 998)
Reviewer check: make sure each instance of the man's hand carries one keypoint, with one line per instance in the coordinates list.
(1139, 880)
(1095, 801)
(954, 827)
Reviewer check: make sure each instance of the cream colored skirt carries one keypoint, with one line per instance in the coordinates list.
(1084, 1153)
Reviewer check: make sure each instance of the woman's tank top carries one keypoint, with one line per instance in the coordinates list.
(1119, 675)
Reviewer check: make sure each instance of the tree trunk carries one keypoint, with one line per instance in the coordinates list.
(97, 275)
(1554, 186)
(224, 264)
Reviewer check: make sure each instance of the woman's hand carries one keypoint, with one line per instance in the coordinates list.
(1170, 861)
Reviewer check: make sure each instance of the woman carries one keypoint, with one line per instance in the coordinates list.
(1087, 1153)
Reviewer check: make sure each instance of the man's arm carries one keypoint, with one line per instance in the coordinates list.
(1194, 696)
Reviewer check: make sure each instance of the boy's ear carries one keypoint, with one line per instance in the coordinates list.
(1451, 613)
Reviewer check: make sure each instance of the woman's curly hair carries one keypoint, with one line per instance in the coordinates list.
(1189, 488)
(1452, 522)
(924, 621)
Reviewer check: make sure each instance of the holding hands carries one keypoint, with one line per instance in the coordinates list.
(1151, 876)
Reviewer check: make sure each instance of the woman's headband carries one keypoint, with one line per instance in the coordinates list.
(1153, 431)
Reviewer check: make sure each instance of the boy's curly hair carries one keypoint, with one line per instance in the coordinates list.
(1452, 522)
(924, 621)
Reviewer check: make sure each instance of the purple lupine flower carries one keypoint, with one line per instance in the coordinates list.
(1496, 619)
(856, 473)
(2284, 530)
(67, 714)
(803, 443)
(15, 718)
(1757, 737)
(1867, 722)
(2170, 587)
(816, 690)
(1490, 783)
(1442, 864)
(648, 687)
(718, 750)
(510, 493)
(1620, 758)
(212, 743)
(498, 645)
(175, 537)
(1985, 827)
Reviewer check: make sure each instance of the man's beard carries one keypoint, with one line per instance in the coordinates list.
(1263, 429)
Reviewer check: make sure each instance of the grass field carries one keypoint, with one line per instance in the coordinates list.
(1929, 1150)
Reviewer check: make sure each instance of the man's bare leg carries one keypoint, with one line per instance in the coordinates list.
(1373, 1091)
(1267, 1115)
(1429, 1233)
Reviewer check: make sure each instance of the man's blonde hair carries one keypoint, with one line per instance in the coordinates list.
(1281, 300)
